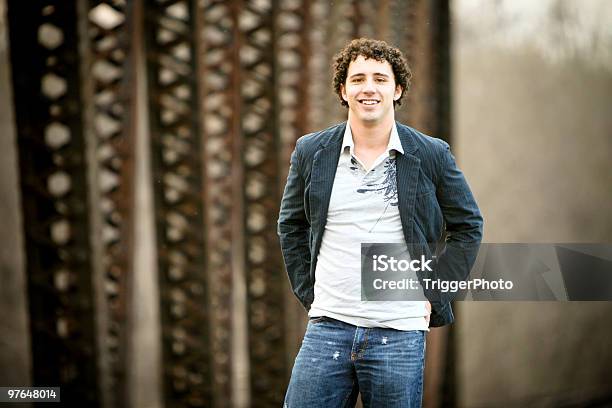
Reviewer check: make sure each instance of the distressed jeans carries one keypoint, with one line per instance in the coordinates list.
(337, 361)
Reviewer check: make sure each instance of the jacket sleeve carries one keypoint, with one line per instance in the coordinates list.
(464, 224)
(294, 231)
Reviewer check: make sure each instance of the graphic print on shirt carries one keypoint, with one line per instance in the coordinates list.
(387, 187)
(354, 167)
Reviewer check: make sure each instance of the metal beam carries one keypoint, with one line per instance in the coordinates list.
(47, 96)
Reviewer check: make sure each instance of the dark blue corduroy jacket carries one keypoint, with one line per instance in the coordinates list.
(437, 209)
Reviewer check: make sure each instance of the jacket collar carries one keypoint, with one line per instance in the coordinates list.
(336, 136)
(394, 142)
(406, 136)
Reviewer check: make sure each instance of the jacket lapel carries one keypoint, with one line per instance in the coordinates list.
(325, 163)
(407, 180)
(322, 180)
(408, 167)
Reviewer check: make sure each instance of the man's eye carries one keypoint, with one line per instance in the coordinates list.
(381, 79)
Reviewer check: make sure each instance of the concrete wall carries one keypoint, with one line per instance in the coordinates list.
(534, 138)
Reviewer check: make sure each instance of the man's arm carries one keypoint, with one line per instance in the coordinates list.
(464, 224)
(294, 231)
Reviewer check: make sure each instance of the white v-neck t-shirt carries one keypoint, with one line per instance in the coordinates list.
(363, 208)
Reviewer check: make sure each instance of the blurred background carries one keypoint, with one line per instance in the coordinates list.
(144, 149)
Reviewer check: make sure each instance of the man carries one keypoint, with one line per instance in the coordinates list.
(369, 180)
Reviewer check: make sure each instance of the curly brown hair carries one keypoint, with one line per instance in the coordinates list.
(371, 49)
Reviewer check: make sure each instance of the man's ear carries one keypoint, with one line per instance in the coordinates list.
(343, 93)
(398, 92)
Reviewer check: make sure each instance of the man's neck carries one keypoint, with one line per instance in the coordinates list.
(370, 139)
(371, 136)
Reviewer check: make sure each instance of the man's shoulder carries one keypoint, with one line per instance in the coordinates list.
(422, 144)
(310, 142)
(420, 138)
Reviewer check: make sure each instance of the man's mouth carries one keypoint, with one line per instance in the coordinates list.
(369, 102)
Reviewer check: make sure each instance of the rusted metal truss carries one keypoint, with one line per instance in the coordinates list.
(259, 130)
(109, 125)
(176, 141)
(217, 74)
(71, 77)
(55, 200)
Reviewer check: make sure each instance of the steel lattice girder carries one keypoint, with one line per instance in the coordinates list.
(47, 95)
(74, 138)
(217, 78)
(178, 189)
(259, 110)
(110, 128)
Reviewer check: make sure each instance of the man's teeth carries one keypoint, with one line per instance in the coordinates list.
(369, 102)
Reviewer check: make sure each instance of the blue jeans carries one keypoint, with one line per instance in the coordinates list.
(337, 361)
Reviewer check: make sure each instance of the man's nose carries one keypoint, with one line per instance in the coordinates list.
(368, 86)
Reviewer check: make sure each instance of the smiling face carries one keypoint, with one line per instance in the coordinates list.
(370, 90)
